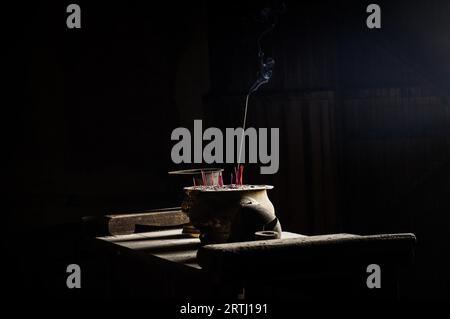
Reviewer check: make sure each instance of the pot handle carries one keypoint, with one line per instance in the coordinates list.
(251, 218)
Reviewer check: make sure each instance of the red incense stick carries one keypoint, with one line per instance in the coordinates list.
(203, 178)
(241, 174)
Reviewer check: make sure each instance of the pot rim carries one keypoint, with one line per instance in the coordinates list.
(210, 189)
(196, 171)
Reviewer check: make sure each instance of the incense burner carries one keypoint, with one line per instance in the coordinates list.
(230, 213)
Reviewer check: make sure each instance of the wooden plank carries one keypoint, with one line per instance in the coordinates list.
(169, 245)
(307, 253)
(119, 224)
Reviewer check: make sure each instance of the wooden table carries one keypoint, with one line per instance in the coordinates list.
(165, 259)
(163, 265)
(169, 246)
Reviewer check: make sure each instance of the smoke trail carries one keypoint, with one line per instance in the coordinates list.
(265, 65)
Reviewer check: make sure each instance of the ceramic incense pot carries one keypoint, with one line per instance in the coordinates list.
(230, 213)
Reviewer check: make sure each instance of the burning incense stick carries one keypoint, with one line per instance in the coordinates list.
(243, 129)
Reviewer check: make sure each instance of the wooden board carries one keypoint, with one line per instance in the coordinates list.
(307, 253)
(120, 224)
(169, 245)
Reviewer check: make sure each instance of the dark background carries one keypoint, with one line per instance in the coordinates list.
(364, 119)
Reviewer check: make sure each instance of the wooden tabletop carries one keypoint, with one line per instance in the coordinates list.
(167, 245)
